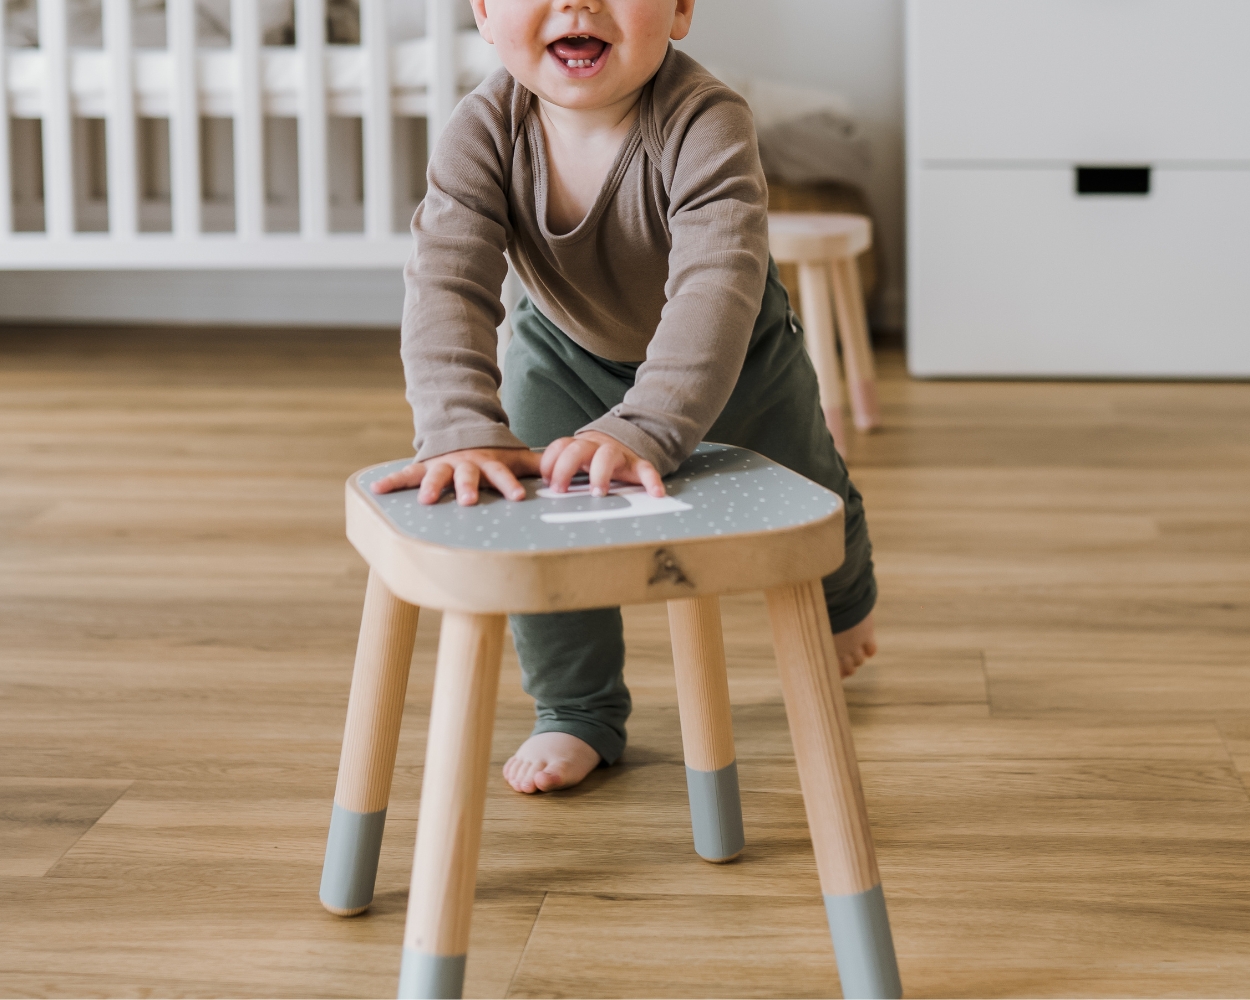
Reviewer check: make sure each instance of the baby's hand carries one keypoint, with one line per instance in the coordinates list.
(464, 470)
(604, 457)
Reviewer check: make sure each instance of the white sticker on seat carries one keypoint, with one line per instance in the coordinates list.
(641, 504)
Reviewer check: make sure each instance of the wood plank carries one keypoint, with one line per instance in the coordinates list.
(1107, 686)
(670, 945)
(278, 943)
(1079, 946)
(1005, 780)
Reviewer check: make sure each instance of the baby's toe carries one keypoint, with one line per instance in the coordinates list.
(548, 779)
(527, 779)
(514, 773)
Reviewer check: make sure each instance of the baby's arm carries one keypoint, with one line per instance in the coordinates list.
(718, 262)
(452, 307)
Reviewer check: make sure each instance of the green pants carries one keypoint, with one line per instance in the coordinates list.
(572, 663)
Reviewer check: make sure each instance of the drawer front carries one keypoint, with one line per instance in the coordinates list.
(1012, 273)
(1097, 80)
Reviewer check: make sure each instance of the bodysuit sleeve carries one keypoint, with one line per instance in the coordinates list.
(452, 285)
(718, 263)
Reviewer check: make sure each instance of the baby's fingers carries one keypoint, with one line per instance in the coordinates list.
(551, 454)
(404, 479)
(467, 476)
(650, 479)
(437, 478)
(573, 459)
(603, 467)
(501, 477)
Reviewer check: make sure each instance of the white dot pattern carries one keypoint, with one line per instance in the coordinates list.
(730, 491)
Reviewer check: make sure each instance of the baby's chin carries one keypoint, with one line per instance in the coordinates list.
(608, 87)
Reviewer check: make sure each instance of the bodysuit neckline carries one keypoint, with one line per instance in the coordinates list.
(542, 180)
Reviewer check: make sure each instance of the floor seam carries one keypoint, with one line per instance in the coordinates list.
(1232, 759)
(985, 679)
(48, 871)
(528, 937)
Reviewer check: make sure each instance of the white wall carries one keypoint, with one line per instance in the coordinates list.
(854, 47)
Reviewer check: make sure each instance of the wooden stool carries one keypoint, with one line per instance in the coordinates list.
(733, 521)
(825, 245)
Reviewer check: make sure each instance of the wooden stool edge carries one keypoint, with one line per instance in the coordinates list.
(521, 582)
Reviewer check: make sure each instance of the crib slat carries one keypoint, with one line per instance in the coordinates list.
(58, 167)
(123, 173)
(378, 165)
(440, 33)
(184, 119)
(310, 36)
(249, 156)
(6, 177)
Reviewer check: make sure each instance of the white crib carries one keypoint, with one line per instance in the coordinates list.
(344, 107)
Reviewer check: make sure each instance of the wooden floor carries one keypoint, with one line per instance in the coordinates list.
(1055, 738)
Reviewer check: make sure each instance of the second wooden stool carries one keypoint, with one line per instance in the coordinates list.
(824, 245)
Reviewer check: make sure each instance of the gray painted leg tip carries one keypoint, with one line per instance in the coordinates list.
(864, 947)
(716, 813)
(351, 864)
(431, 977)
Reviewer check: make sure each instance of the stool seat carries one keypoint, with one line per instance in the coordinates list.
(799, 237)
(732, 521)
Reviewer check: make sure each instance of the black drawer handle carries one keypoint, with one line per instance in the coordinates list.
(1113, 180)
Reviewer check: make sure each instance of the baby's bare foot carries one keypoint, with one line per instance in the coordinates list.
(549, 761)
(856, 645)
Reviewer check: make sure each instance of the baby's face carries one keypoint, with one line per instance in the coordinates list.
(582, 54)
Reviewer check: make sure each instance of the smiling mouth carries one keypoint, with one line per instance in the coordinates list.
(578, 51)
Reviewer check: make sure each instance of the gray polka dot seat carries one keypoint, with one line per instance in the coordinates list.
(733, 521)
(719, 490)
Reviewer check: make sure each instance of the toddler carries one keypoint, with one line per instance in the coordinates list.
(624, 184)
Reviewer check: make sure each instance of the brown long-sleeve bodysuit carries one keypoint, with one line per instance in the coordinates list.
(668, 267)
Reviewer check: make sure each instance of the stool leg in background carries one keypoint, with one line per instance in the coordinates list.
(832, 796)
(861, 378)
(453, 799)
(821, 345)
(706, 727)
(375, 709)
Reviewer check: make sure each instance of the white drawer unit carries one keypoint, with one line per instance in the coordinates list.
(1079, 188)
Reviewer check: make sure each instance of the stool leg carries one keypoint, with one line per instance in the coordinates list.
(375, 708)
(453, 798)
(818, 326)
(829, 777)
(861, 378)
(706, 728)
